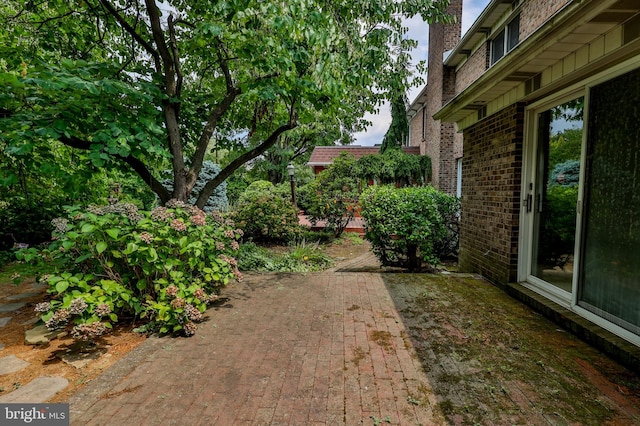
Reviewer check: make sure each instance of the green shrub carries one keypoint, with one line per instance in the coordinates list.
(407, 226)
(333, 196)
(255, 190)
(163, 266)
(265, 215)
(25, 222)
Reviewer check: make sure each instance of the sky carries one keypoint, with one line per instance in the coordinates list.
(418, 30)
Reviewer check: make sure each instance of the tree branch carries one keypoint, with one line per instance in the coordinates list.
(216, 114)
(132, 31)
(137, 166)
(176, 57)
(235, 164)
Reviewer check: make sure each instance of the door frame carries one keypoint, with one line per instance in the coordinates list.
(530, 198)
(549, 291)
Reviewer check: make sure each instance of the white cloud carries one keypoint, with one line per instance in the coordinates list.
(379, 126)
(418, 30)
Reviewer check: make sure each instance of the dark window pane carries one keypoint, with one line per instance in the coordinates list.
(513, 33)
(497, 47)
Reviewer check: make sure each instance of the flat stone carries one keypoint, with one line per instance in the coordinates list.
(31, 321)
(80, 354)
(40, 334)
(4, 321)
(39, 286)
(36, 391)
(11, 364)
(21, 296)
(11, 307)
(1, 346)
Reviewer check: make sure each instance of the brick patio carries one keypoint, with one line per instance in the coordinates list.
(332, 348)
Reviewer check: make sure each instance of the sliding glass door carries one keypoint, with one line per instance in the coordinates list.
(581, 204)
(554, 194)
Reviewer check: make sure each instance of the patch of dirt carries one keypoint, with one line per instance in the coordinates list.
(45, 360)
(346, 249)
(383, 339)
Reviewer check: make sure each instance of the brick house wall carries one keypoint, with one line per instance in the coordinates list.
(439, 144)
(535, 12)
(473, 68)
(415, 131)
(491, 178)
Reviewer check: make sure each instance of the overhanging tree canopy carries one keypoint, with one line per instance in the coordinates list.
(141, 83)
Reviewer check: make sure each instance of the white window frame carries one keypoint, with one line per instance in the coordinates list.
(505, 31)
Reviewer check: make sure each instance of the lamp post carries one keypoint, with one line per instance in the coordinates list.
(291, 171)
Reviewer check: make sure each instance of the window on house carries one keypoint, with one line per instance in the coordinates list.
(424, 123)
(505, 40)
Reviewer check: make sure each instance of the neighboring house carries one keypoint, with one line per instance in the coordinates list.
(547, 99)
(323, 156)
(436, 138)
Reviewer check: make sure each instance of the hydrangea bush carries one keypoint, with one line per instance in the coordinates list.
(164, 266)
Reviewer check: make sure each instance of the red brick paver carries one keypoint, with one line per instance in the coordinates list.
(284, 349)
(354, 346)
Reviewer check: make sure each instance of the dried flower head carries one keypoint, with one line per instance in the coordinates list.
(177, 303)
(200, 294)
(42, 307)
(89, 331)
(190, 328)
(146, 237)
(173, 204)
(77, 306)
(58, 320)
(102, 310)
(171, 290)
(216, 216)
(198, 220)
(178, 225)
(161, 214)
(193, 313)
(60, 225)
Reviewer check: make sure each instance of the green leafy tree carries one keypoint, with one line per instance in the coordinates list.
(565, 146)
(394, 166)
(140, 86)
(399, 128)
